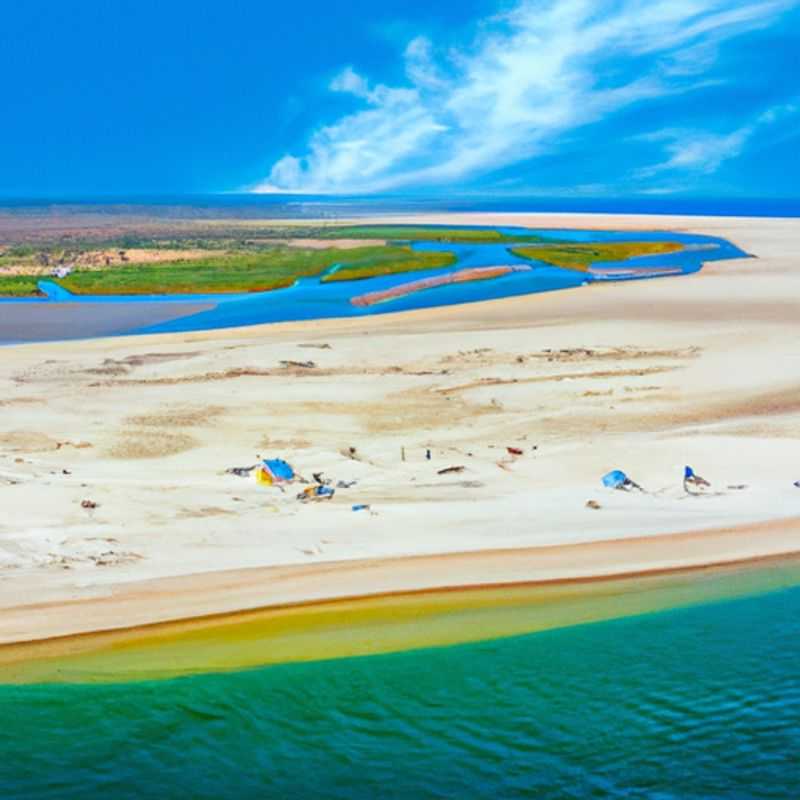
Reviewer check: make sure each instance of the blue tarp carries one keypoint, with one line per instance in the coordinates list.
(615, 479)
(280, 470)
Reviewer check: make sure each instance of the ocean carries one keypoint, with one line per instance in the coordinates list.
(696, 702)
(332, 206)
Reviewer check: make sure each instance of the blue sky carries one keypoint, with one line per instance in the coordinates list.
(526, 97)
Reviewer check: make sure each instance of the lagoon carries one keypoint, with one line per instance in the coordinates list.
(63, 316)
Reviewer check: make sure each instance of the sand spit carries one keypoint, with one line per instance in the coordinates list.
(642, 376)
(461, 276)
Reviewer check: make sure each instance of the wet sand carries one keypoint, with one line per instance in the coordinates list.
(44, 322)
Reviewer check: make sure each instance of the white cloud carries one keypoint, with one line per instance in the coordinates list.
(350, 81)
(529, 78)
(704, 152)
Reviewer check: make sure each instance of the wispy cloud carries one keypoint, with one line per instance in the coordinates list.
(530, 77)
(703, 151)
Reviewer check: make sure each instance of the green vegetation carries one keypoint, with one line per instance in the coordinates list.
(19, 285)
(264, 263)
(410, 233)
(416, 261)
(254, 271)
(580, 256)
(7, 259)
(20, 251)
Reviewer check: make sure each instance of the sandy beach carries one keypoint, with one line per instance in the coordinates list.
(645, 376)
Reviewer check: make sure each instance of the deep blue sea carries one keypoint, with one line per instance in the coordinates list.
(322, 206)
(697, 703)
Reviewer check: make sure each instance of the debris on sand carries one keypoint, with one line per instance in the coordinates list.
(345, 484)
(361, 507)
(240, 472)
(593, 504)
(692, 479)
(316, 493)
(90, 505)
(449, 470)
(514, 451)
(111, 558)
(298, 364)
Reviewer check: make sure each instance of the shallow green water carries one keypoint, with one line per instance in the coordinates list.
(702, 702)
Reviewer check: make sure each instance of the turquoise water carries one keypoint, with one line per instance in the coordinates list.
(700, 702)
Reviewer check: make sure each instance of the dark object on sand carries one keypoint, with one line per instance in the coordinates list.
(320, 478)
(428, 455)
(298, 364)
(692, 479)
(361, 507)
(593, 504)
(449, 470)
(240, 472)
(345, 484)
(88, 504)
(797, 484)
(514, 451)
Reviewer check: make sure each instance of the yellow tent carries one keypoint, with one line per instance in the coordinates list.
(263, 476)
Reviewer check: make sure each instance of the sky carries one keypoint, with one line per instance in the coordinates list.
(596, 98)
